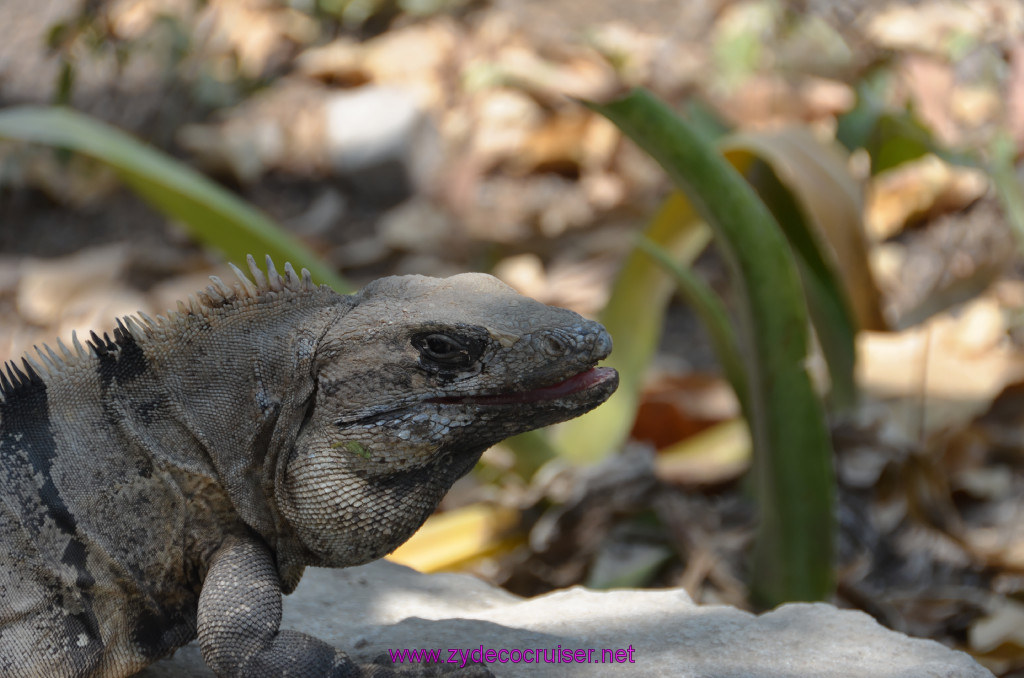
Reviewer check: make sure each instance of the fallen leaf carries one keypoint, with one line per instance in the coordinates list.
(1005, 624)
(448, 540)
(674, 408)
(716, 455)
(943, 373)
(918, 190)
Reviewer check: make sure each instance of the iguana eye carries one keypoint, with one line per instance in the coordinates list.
(443, 349)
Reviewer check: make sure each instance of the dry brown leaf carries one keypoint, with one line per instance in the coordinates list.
(817, 176)
(768, 101)
(632, 50)
(919, 189)
(416, 58)
(933, 26)
(130, 19)
(556, 145)
(79, 291)
(580, 285)
(252, 35)
(975, 105)
(504, 119)
(583, 74)
(943, 373)
(675, 407)
(339, 61)
(283, 126)
(1005, 624)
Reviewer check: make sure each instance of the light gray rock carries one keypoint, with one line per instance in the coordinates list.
(382, 140)
(371, 609)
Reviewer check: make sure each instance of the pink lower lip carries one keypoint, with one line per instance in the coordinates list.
(580, 382)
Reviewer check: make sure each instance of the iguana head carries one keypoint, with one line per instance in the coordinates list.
(413, 381)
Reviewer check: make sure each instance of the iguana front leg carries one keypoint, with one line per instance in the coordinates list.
(240, 619)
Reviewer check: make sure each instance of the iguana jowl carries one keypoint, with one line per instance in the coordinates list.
(175, 479)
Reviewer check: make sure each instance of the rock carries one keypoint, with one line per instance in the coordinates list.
(368, 610)
(381, 140)
(279, 128)
(418, 225)
(377, 139)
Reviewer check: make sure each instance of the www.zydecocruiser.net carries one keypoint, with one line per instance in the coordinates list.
(553, 655)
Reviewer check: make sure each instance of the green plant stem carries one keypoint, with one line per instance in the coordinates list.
(793, 477)
(712, 314)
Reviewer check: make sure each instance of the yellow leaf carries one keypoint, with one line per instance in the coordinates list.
(450, 539)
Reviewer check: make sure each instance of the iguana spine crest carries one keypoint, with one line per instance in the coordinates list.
(142, 326)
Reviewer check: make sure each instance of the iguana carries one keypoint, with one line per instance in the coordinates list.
(174, 477)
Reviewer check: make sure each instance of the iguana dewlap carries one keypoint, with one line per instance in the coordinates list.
(175, 479)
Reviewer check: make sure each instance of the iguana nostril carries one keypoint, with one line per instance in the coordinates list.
(555, 346)
(602, 345)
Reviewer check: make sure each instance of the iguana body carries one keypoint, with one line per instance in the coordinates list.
(176, 479)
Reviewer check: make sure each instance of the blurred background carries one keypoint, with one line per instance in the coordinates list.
(439, 136)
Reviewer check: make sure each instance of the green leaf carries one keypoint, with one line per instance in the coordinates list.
(632, 566)
(806, 186)
(1004, 176)
(793, 479)
(891, 137)
(213, 215)
(712, 314)
(633, 317)
(830, 314)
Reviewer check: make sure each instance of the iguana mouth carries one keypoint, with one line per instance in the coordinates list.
(593, 378)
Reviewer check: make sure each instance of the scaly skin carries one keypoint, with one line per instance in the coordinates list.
(174, 480)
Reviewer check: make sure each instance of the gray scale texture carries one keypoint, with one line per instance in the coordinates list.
(173, 478)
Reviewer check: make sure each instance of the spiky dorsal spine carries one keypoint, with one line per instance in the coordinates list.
(141, 326)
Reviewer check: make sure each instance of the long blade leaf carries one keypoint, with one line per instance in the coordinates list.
(712, 314)
(212, 214)
(819, 209)
(793, 466)
(633, 317)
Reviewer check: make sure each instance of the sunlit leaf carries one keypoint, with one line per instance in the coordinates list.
(448, 540)
(714, 455)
